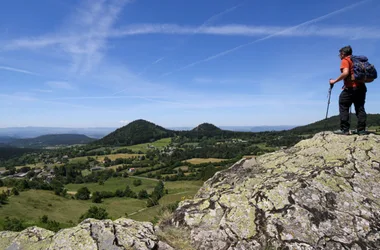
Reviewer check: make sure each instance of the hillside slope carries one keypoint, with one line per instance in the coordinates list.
(51, 140)
(138, 131)
(332, 123)
(206, 127)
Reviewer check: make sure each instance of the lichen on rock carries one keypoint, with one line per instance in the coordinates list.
(88, 235)
(322, 193)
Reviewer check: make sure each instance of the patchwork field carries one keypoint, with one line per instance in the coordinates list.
(100, 158)
(113, 184)
(113, 157)
(33, 204)
(203, 160)
(144, 147)
(37, 165)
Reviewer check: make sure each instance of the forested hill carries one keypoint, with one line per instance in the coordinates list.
(51, 140)
(6, 139)
(142, 131)
(332, 123)
(138, 131)
(7, 152)
(206, 127)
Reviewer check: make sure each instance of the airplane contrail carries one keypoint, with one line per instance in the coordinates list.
(208, 21)
(268, 37)
(17, 70)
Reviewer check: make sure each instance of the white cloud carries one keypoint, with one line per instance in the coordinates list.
(124, 122)
(59, 85)
(87, 49)
(303, 29)
(158, 60)
(248, 30)
(43, 90)
(93, 42)
(195, 30)
(83, 36)
(17, 70)
(19, 96)
(106, 97)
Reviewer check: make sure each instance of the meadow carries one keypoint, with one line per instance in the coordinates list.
(113, 184)
(31, 205)
(144, 147)
(100, 158)
(196, 161)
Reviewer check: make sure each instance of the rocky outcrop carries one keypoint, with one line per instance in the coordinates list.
(90, 234)
(323, 193)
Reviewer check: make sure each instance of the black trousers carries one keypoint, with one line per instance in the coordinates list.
(357, 97)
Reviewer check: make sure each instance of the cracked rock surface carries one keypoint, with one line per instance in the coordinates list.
(90, 234)
(323, 193)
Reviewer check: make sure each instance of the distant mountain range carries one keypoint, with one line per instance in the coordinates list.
(32, 132)
(135, 132)
(7, 134)
(246, 128)
(141, 131)
(45, 141)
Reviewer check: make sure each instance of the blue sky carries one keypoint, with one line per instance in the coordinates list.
(179, 63)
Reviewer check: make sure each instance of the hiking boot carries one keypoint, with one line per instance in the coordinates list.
(359, 132)
(341, 132)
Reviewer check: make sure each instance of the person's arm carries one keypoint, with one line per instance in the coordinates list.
(345, 73)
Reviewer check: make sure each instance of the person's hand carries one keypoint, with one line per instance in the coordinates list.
(332, 81)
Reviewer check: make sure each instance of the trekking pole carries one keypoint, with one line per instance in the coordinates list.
(328, 103)
(349, 117)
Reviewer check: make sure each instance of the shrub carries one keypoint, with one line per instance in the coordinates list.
(137, 182)
(13, 224)
(83, 194)
(94, 212)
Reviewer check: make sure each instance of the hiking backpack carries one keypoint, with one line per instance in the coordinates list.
(362, 70)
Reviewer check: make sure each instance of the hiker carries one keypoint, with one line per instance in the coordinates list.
(353, 92)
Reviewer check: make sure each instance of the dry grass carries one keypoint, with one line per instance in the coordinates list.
(203, 160)
(183, 168)
(38, 165)
(4, 189)
(249, 156)
(114, 167)
(178, 238)
(100, 158)
(113, 157)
